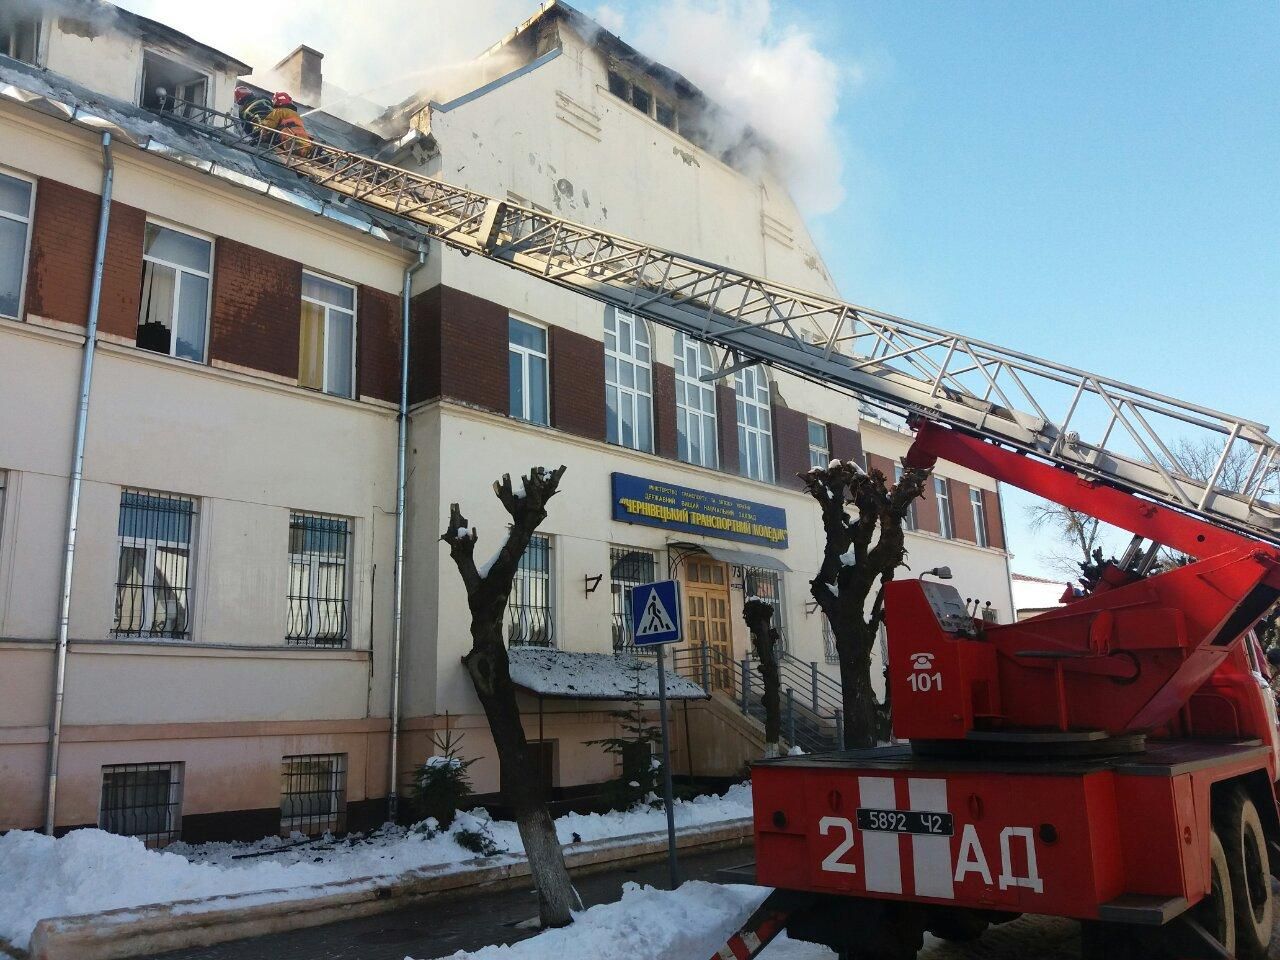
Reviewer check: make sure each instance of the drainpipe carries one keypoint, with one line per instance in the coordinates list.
(397, 619)
(77, 476)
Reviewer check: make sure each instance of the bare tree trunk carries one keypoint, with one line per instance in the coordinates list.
(758, 615)
(490, 672)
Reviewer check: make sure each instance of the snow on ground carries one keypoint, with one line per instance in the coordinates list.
(90, 870)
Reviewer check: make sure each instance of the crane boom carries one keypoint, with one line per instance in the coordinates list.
(1095, 426)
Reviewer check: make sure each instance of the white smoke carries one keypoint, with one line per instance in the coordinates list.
(770, 75)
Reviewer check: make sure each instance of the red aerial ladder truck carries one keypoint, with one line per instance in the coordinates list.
(1113, 761)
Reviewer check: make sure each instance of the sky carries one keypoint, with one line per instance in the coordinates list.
(1091, 182)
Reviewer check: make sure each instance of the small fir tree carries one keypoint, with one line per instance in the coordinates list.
(441, 785)
(635, 748)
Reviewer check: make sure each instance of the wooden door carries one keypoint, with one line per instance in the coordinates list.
(707, 613)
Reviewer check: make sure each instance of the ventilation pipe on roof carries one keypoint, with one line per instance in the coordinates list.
(397, 619)
(77, 476)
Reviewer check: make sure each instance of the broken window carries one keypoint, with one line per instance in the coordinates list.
(20, 34)
(618, 85)
(641, 99)
(666, 115)
(167, 84)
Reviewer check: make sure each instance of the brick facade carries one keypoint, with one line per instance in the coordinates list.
(378, 345)
(995, 522)
(846, 444)
(665, 439)
(727, 428)
(962, 511)
(122, 272)
(459, 349)
(577, 383)
(257, 304)
(927, 509)
(790, 445)
(63, 237)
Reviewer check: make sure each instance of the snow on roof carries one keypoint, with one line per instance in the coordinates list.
(1037, 593)
(593, 676)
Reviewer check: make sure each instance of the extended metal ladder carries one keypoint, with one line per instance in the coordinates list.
(1093, 425)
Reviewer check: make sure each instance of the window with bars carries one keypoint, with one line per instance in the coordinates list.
(176, 272)
(695, 403)
(153, 578)
(326, 342)
(318, 605)
(17, 196)
(828, 640)
(755, 424)
(530, 617)
(946, 520)
(142, 800)
(629, 567)
(979, 516)
(313, 794)
(628, 383)
(767, 585)
(910, 521)
(819, 446)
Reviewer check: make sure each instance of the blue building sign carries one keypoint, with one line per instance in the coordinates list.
(672, 507)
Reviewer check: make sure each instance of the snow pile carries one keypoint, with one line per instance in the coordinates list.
(90, 870)
(599, 676)
(688, 924)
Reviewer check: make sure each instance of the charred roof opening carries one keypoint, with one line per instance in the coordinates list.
(21, 30)
(163, 77)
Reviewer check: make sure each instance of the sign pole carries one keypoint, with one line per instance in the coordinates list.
(666, 771)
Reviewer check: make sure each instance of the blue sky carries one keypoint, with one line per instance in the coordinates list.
(1096, 183)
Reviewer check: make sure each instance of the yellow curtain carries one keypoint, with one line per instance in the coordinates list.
(311, 347)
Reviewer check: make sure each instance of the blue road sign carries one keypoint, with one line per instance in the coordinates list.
(655, 613)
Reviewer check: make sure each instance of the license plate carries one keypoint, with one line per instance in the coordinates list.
(905, 821)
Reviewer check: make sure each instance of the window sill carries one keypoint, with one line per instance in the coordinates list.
(188, 648)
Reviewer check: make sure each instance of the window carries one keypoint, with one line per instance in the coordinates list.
(20, 34)
(4, 475)
(910, 521)
(979, 516)
(946, 521)
(819, 446)
(755, 429)
(16, 196)
(530, 622)
(317, 581)
(828, 640)
(619, 86)
(326, 345)
(142, 800)
(666, 115)
(628, 568)
(176, 268)
(527, 365)
(641, 99)
(165, 81)
(153, 581)
(767, 585)
(695, 403)
(628, 391)
(313, 794)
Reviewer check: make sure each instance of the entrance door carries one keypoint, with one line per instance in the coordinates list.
(707, 606)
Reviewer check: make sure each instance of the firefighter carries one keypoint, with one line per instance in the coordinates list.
(289, 133)
(252, 110)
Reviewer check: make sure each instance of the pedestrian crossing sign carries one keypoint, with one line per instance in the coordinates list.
(655, 613)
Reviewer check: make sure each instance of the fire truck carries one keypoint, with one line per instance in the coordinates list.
(1112, 761)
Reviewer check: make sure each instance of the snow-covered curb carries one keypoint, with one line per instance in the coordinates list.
(136, 931)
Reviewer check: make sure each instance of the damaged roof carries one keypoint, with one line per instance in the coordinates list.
(92, 11)
(56, 96)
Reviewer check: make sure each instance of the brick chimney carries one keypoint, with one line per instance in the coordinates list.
(299, 73)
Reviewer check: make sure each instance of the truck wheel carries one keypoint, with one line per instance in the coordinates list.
(960, 926)
(1216, 912)
(1236, 822)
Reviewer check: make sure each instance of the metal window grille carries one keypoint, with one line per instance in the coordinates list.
(153, 578)
(318, 604)
(755, 424)
(942, 493)
(979, 516)
(628, 568)
(819, 445)
(829, 641)
(767, 585)
(530, 619)
(313, 794)
(142, 800)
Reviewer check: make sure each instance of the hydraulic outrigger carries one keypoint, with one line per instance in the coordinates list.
(1113, 761)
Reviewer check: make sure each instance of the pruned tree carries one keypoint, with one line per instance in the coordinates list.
(1077, 534)
(758, 615)
(490, 671)
(862, 517)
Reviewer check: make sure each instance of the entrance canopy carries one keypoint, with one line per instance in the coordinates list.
(571, 675)
(741, 558)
